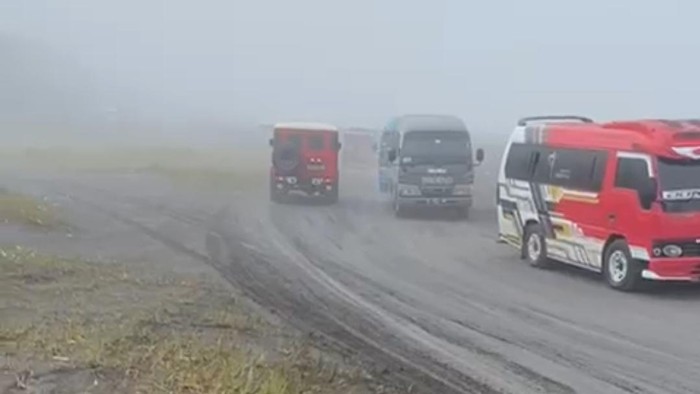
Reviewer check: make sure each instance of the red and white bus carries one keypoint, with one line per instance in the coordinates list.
(621, 198)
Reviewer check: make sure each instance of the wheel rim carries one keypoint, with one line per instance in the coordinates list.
(617, 266)
(534, 247)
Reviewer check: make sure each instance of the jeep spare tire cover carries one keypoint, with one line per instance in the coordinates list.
(286, 158)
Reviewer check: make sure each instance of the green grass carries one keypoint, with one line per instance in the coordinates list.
(153, 361)
(185, 336)
(134, 158)
(195, 168)
(21, 209)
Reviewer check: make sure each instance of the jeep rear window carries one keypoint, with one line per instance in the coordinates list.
(316, 142)
(294, 139)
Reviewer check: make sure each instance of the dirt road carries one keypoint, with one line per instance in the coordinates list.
(436, 304)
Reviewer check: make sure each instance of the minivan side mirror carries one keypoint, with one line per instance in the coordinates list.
(648, 192)
(479, 156)
(392, 155)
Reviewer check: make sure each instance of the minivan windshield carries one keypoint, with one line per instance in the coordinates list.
(679, 181)
(436, 147)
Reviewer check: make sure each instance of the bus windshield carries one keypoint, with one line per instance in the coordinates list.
(436, 147)
(679, 181)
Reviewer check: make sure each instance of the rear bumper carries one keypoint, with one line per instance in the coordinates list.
(308, 186)
(681, 269)
(436, 202)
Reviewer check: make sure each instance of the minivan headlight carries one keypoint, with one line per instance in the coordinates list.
(409, 190)
(672, 250)
(462, 190)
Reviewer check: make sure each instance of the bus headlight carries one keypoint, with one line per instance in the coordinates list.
(409, 190)
(462, 190)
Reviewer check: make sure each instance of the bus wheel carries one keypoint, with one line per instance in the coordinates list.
(621, 271)
(534, 246)
(399, 211)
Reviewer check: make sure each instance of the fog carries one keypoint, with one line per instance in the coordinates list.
(154, 66)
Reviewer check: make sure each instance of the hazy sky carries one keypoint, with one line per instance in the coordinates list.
(362, 61)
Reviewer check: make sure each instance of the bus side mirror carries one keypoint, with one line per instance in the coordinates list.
(338, 145)
(648, 192)
(392, 155)
(479, 156)
(271, 142)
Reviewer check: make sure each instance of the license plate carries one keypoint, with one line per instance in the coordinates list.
(437, 180)
(316, 167)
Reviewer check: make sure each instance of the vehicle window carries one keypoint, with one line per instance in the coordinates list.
(578, 169)
(541, 165)
(316, 142)
(294, 139)
(387, 142)
(571, 168)
(518, 162)
(680, 176)
(630, 172)
(437, 147)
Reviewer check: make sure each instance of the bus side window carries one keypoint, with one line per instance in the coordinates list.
(542, 165)
(579, 169)
(518, 162)
(631, 173)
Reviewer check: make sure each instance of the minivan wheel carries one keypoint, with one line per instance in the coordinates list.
(534, 247)
(399, 211)
(621, 271)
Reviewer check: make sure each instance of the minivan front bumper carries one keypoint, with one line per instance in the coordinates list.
(683, 269)
(441, 201)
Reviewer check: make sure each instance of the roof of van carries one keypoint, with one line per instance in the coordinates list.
(657, 136)
(426, 122)
(306, 126)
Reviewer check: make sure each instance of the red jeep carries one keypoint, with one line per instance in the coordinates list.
(304, 159)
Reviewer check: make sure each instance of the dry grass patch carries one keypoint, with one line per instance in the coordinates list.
(130, 333)
(200, 168)
(117, 159)
(25, 210)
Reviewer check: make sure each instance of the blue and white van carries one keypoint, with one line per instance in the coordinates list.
(427, 161)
